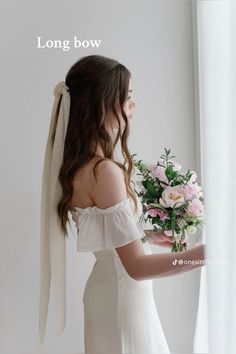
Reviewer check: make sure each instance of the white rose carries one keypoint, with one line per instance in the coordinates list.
(176, 167)
(191, 229)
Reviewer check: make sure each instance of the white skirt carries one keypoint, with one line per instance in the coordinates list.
(120, 314)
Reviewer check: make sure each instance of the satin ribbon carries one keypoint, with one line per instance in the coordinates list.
(53, 241)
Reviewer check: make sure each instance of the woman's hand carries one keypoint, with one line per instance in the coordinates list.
(159, 238)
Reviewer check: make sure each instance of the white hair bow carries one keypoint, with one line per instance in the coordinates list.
(53, 241)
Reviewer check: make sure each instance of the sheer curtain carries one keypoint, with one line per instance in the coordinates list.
(215, 25)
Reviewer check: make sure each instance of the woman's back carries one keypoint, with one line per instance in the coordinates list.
(84, 185)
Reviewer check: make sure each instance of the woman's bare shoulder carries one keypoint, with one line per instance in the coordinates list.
(110, 186)
(110, 166)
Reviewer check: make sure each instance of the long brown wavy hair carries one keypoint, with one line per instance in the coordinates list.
(95, 84)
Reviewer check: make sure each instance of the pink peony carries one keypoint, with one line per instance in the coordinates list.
(190, 190)
(182, 189)
(195, 208)
(171, 196)
(195, 189)
(159, 172)
(154, 212)
(152, 166)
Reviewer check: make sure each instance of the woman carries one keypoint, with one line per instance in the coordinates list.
(120, 315)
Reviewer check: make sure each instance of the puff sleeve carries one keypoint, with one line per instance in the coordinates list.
(104, 229)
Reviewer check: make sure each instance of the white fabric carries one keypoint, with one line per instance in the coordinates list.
(102, 229)
(217, 91)
(53, 251)
(201, 335)
(120, 314)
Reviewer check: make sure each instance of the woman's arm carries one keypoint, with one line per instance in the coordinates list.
(140, 265)
(161, 265)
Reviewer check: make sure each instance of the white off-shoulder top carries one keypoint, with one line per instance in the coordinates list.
(104, 229)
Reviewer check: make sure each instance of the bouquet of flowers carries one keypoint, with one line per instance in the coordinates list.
(172, 201)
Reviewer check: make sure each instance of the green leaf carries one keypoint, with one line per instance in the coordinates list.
(150, 189)
(170, 173)
(157, 205)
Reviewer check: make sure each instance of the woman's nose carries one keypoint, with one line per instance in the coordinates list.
(133, 103)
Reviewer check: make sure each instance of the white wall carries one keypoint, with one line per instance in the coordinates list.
(154, 40)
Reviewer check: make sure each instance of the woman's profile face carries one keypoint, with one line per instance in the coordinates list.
(128, 108)
(130, 103)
